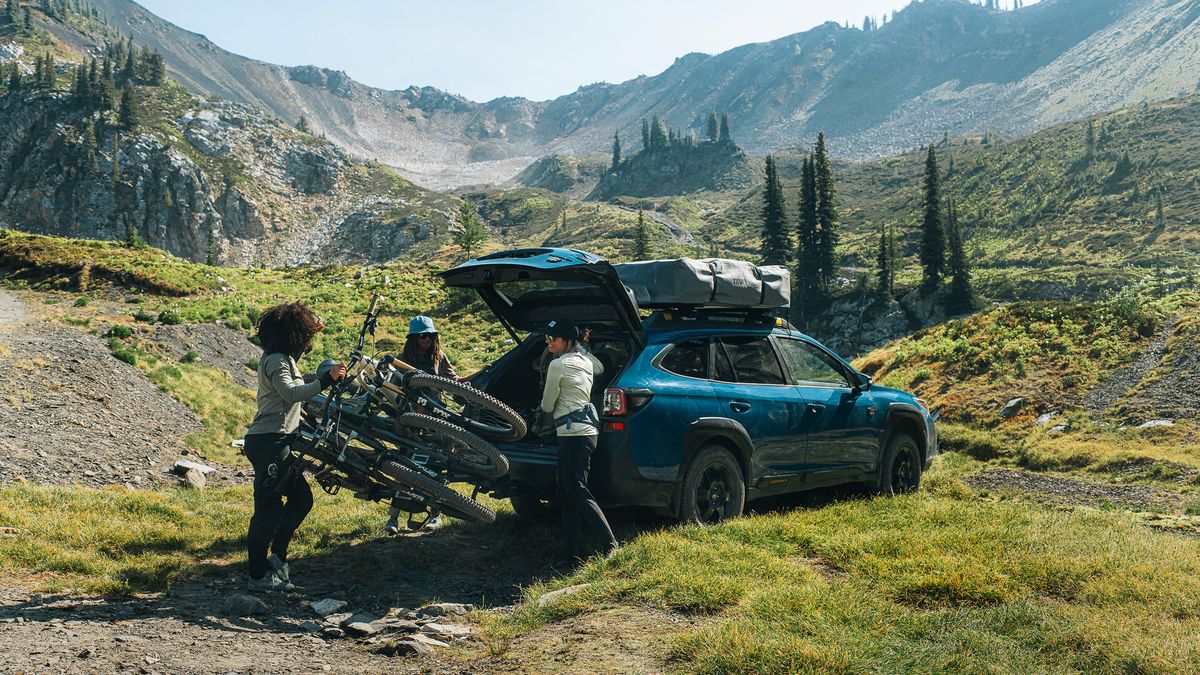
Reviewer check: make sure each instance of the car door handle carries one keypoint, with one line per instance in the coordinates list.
(815, 408)
(739, 406)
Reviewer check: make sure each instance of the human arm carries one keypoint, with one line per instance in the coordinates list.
(291, 387)
(550, 393)
(446, 369)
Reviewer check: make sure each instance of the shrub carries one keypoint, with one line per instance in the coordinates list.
(252, 364)
(82, 301)
(170, 317)
(190, 357)
(120, 332)
(143, 316)
(127, 355)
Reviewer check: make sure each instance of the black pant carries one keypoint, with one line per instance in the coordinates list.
(581, 515)
(273, 522)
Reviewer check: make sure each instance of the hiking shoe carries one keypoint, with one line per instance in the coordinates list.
(431, 523)
(393, 524)
(269, 582)
(281, 568)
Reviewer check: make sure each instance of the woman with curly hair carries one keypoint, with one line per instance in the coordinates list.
(286, 333)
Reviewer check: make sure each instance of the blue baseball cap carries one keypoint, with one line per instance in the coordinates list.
(420, 325)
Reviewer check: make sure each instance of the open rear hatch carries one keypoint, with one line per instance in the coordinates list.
(527, 288)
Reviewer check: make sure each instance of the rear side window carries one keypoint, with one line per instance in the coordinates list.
(810, 365)
(688, 358)
(753, 359)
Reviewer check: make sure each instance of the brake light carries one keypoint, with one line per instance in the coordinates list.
(614, 402)
(614, 426)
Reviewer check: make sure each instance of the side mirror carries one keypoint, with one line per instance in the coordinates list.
(864, 382)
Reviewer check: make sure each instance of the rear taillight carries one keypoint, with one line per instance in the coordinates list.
(625, 401)
(614, 402)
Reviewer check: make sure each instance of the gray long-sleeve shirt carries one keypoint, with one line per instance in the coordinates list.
(569, 388)
(281, 390)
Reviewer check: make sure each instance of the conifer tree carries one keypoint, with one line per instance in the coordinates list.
(776, 234)
(724, 134)
(645, 135)
(108, 87)
(883, 271)
(469, 234)
(26, 20)
(89, 147)
(14, 78)
(641, 238)
(959, 296)
(39, 71)
(658, 135)
(712, 127)
(127, 116)
(156, 69)
(616, 150)
(116, 159)
(808, 262)
(13, 10)
(933, 237)
(302, 124)
(129, 70)
(1090, 141)
(826, 212)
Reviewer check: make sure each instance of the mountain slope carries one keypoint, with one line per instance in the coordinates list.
(939, 66)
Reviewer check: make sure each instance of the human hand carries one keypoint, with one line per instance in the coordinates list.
(338, 372)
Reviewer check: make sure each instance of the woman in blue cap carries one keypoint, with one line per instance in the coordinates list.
(567, 399)
(423, 351)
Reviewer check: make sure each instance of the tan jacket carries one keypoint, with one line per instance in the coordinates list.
(569, 388)
(281, 390)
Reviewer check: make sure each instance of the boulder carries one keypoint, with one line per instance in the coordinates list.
(446, 631)
(1011, 408)
(327, 606)
(1152, 424)
(1045, 418)
(444, 609)
(240, 604)
(194, 478)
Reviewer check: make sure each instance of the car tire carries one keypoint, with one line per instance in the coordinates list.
(900, 472)
(713, 488)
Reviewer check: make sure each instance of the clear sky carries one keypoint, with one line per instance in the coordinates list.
(483, 49)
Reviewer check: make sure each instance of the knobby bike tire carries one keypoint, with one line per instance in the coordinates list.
(445, 497)
(510, 426)
(494, 464)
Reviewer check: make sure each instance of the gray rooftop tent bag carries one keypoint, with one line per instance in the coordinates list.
(707, 282)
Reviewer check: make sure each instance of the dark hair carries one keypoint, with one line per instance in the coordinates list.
(412, 351)
(288, 329)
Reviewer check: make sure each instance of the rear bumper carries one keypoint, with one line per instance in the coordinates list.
(614, 478)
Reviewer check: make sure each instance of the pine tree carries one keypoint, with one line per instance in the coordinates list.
(776, 234)
(26, 20)
(469, 234)
(658, 135)
(39, 71)
(157, 70)
(302, 124)
(127, 116)
(883, 262)
(933, 237)
(116, 159)
(1090, 141)
(89, 147)
(108, 87)
(724, 134)
(616, 150)
(14, 78)
(13, 9)
(809, 289)
(641, 238)
(645, 135)
(712, 127)
(129, 70)
(826, 212)
(959, 296)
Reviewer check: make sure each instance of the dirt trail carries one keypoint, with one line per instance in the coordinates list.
(1126, 378)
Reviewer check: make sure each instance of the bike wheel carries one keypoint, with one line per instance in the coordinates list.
(468, 407)
(443, 496)
(465, 451)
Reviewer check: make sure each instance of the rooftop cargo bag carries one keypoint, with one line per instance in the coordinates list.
(709, 282)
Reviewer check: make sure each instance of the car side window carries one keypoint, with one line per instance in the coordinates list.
(754, 360)
(688, 358)
(809, 365)
(722, 368)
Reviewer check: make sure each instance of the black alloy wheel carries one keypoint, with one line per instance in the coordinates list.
(901, 469)
(713, 488)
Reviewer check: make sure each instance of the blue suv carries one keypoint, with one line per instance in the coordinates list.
(702, 410)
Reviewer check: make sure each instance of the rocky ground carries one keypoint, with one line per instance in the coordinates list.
(214, 344)
(1071, 491)
(73, 414)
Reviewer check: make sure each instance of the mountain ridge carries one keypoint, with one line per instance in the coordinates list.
(829, 78)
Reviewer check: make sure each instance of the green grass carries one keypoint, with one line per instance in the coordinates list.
(929, 582)
(118, 540)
